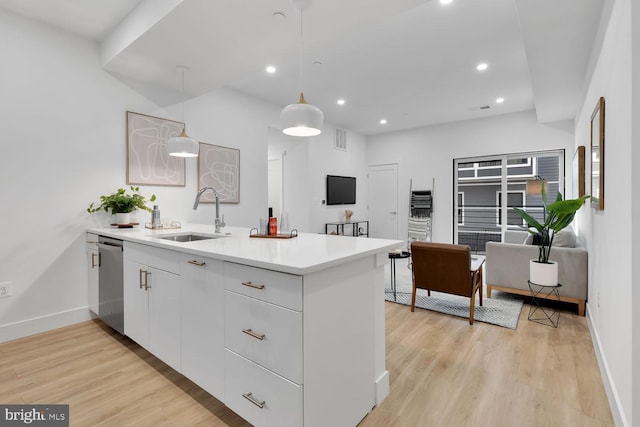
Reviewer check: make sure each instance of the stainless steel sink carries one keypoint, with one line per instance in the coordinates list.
(189, 237)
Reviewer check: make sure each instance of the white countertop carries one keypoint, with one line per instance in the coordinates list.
(301, 255)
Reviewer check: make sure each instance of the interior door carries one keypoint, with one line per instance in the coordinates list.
(383, 201)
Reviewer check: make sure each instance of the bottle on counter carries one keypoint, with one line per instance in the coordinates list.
(156, 222)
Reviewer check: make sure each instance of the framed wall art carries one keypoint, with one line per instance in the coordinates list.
(597, 156)
(578, 173)
(148, 162)
(219, 168)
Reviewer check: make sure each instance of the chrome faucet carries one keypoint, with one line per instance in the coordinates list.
(219, 222)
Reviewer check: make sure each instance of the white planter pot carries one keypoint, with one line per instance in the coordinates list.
(543, 274)
(123, 218)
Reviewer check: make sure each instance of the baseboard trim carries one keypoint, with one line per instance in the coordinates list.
(615, 405)
(382, 387)
(36, 325)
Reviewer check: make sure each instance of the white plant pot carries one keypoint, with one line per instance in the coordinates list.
(543, 274)
(123, 218)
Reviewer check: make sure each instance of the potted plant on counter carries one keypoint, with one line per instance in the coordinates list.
(558, 215)
(122, 204)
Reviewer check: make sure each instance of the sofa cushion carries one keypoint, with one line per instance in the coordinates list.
(565, 238)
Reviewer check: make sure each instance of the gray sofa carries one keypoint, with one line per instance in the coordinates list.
(507, 267)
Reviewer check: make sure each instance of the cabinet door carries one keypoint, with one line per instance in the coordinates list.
(92, 268)
(202, 305)
(136, 323)
(164, 316)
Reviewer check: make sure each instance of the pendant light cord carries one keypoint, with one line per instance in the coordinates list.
(183, 98)
(301, 51)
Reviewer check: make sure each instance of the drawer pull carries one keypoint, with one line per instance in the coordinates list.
(198, 263)
(251, 399)
(253, 334)
(253, 285)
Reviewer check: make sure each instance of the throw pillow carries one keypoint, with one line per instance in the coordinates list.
(565, 238)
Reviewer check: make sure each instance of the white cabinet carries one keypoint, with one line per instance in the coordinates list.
(260, 396)
(265, 333)
(93, 263)
(263, 342)
(202, 328)
(152, 301)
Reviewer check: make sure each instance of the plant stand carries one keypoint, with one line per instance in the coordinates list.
(545, 315)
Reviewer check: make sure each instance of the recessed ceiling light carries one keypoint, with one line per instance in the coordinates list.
(383, 121)
(482, 66)
(278, 16)
(340, 101)
(445, 2)
(271, 69)
(500, 100)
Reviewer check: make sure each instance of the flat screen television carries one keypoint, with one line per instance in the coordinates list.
(341, 190)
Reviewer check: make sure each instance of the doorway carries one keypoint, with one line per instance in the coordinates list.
(383, 201)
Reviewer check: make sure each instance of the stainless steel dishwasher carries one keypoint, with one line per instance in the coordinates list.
(110, 283)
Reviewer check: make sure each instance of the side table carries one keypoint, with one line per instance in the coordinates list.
(547, 316)
(393, 256)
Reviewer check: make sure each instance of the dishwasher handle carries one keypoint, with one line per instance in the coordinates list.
(109, 246)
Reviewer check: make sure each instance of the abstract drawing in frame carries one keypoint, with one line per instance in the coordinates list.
(578, 172)
(219, 168)
(597, 156)
(148, 162)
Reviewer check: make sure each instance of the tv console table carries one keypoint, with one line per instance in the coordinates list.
(355, 228)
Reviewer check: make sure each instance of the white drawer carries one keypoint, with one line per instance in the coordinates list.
(266, 285)
(162, 259)
(265, 333)
(260, 396)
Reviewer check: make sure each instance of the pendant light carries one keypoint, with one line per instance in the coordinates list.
(183, 145)
(301, 119)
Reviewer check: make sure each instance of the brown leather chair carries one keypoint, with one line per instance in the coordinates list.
(443, 267)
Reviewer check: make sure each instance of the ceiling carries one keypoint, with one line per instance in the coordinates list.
(411, 62)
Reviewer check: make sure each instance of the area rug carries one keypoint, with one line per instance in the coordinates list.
(501, 312)
(503, 309)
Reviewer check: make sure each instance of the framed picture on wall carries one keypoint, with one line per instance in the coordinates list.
(578, 172)
(597, 156)
(148, 162)
(219, 168)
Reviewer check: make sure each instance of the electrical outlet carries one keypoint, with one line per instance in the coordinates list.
(5, 290)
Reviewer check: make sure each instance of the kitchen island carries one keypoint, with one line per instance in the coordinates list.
(285, 332)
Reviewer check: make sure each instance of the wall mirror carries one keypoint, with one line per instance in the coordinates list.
(597, 156)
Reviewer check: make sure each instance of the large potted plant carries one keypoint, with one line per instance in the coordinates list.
(558, 215)
(122, 204)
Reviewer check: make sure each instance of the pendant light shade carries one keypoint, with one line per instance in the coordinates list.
(301, 119)
(183, 145)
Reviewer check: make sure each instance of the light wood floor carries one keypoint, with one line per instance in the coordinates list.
(443, 372)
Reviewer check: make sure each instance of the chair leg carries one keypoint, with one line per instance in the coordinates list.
(480, 290)
(413, 298)
(472, 307)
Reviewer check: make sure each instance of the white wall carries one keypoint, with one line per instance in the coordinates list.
(608, 234)
(63, 132)
(426, 153)
(635, 207)
(325, 160)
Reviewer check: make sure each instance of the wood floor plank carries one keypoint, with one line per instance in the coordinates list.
(443, 372)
